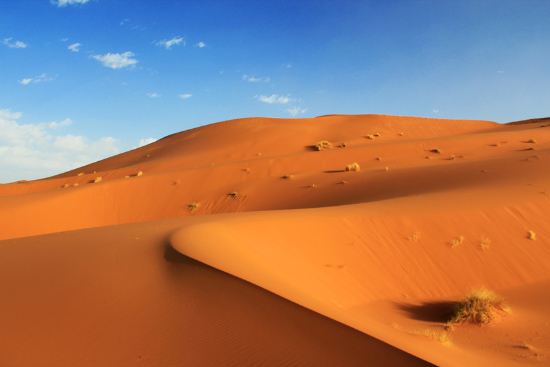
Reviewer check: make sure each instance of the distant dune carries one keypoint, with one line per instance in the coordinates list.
(249, 243)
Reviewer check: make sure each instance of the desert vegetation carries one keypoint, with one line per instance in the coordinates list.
(353, 167)
(480, 307)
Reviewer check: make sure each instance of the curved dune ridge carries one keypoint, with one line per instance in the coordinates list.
(306, 262)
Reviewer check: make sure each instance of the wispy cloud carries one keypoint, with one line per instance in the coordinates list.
(295, 111)
(200, 44)
(274, 99)
(146, 141)
(41, 149)
(185, 96)
(42, 78)
(117, 60)
(153, 95)
(63, 3)
(169, 43)
(256, 79)
(74, 47)
(11, 43)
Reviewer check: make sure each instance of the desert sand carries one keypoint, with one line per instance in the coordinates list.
(242, 243)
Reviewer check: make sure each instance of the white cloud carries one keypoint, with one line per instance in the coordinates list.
(42, 78)
(11, 43)
(117, 60)
(256, 79)
(274, 99)
(74, 47)
(37, 150)
(63, 3)
(168, 44)
(185, 96)
(200, 44)
(295, 111)
(146, 141)
(153, 95)
(435, 111)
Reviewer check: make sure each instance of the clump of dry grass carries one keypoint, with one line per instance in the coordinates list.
(369, 136)
(415, 237)
(531, 235)
(287, 177)
(531, 141)
(455, 242)
(343, 182)
(401, 133)
(323, 145)
(440, 336)
(97, 179)
(480, 307)
(485, 243)
(193, 206)
(64, 186)
(233, 194)
(246, 170)
(75, 184)
(376, 135)
(80, 174)
(435, 151)
(353, 167)
(378, 158)
(341, 145)
(139, 174)
(387, 169)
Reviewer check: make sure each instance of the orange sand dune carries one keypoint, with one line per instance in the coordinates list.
(437, 207)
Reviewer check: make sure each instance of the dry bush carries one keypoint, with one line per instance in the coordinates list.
(233, 194)
(81, 174)
(287, 177)
(531, 141)
(435, 150)
(97, 179)
(531, 235)
(139, 174)
(440, 336)
(353, 167)
(323, 145)
(455, 242)
(480, 307)
(369, 136)
(485, 243)
(193, 206)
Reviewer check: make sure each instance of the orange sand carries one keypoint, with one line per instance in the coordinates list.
(437, 208)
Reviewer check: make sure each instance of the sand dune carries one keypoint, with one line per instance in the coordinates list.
(436, 208)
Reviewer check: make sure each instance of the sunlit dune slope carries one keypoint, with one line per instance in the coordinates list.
(248, 156)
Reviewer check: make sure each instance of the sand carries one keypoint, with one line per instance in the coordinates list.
(242, 244)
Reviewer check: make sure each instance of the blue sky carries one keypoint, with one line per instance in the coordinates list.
(82, 79)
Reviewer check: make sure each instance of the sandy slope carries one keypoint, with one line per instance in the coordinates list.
(370, 249)
(121, 296)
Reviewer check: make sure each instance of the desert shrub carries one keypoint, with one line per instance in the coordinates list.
(323, 145)
(353, 167)
(481, 306)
